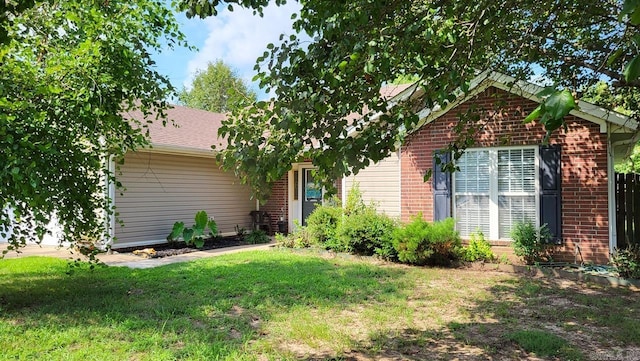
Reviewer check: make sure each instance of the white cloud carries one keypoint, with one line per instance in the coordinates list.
(239, 38)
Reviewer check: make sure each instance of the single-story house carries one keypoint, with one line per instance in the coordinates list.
(506, 176)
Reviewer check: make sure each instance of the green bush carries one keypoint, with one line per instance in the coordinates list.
(354, 203)
(478, 249)
(299, 238)
(256, 237)
(531, 243)
(365, 232)
(627, 262)
(323, 223)
(420, 242)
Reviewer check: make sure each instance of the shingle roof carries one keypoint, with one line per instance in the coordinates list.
(194, 129)
(387, 92)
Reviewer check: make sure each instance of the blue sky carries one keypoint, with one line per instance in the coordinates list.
(237, 38)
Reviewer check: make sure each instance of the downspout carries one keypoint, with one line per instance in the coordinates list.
(111, 194)
(343, 185)
(613, 236)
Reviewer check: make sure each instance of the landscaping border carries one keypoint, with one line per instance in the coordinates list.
(547, 271)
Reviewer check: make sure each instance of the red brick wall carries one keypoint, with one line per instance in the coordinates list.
(584, 166)
(278, 203)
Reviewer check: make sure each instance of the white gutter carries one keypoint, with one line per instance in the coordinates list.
(179, 150)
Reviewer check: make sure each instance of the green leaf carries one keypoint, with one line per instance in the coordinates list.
(535, 114)
(615, 56)
(201, 220)
(632, 69)
(213, 227)
(559, 104)
(187, 235)
(634, 19)
(629, 6)
(198, 242)
(176, 232)
(546, 91)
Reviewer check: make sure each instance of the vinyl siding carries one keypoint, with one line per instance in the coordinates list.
(380, 183)
(161, 189)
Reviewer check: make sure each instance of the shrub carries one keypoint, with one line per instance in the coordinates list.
(627, 261)
(531, 243)
(354, 203)
(365, 232)
(323, 222)
(478, 249)
(257, 236)
(420, 242)
(299, 238)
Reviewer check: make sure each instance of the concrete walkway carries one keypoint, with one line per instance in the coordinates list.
(128, 259)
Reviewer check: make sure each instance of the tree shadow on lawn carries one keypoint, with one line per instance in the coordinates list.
(202, 309)
(214, 308)
(591, 323)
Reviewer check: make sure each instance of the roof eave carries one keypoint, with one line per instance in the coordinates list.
(593, 113)
(179, 150)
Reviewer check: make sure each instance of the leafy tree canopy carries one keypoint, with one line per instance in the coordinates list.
(217, 89)
(69, 72)
(359, 46)
(620, 100)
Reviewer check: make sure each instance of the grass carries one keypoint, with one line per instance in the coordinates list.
(544, 343)
(283, 305)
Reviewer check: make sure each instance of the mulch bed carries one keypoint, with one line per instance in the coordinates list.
(166, 249)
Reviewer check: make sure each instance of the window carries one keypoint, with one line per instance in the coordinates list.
(494, 189)
(295, 185)
(472, 193)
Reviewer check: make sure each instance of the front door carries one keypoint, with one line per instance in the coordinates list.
(311, 194)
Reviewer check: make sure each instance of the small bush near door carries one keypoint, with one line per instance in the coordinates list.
(365, 232)
(323, 222)
(360, 229)
(256, 237)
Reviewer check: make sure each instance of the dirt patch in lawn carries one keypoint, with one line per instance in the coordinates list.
(470, 315)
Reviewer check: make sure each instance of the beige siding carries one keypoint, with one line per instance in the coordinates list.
(161, 189)
(379, 183)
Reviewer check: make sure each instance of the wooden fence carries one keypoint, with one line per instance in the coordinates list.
(627, 209)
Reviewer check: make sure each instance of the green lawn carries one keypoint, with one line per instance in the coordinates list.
(275, 305)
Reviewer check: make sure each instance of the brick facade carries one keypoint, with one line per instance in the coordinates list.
(339, 188)
(278, 203)
(584, 166)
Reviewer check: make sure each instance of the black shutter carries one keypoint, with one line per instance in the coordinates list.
(550, 189)
(441, 188)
